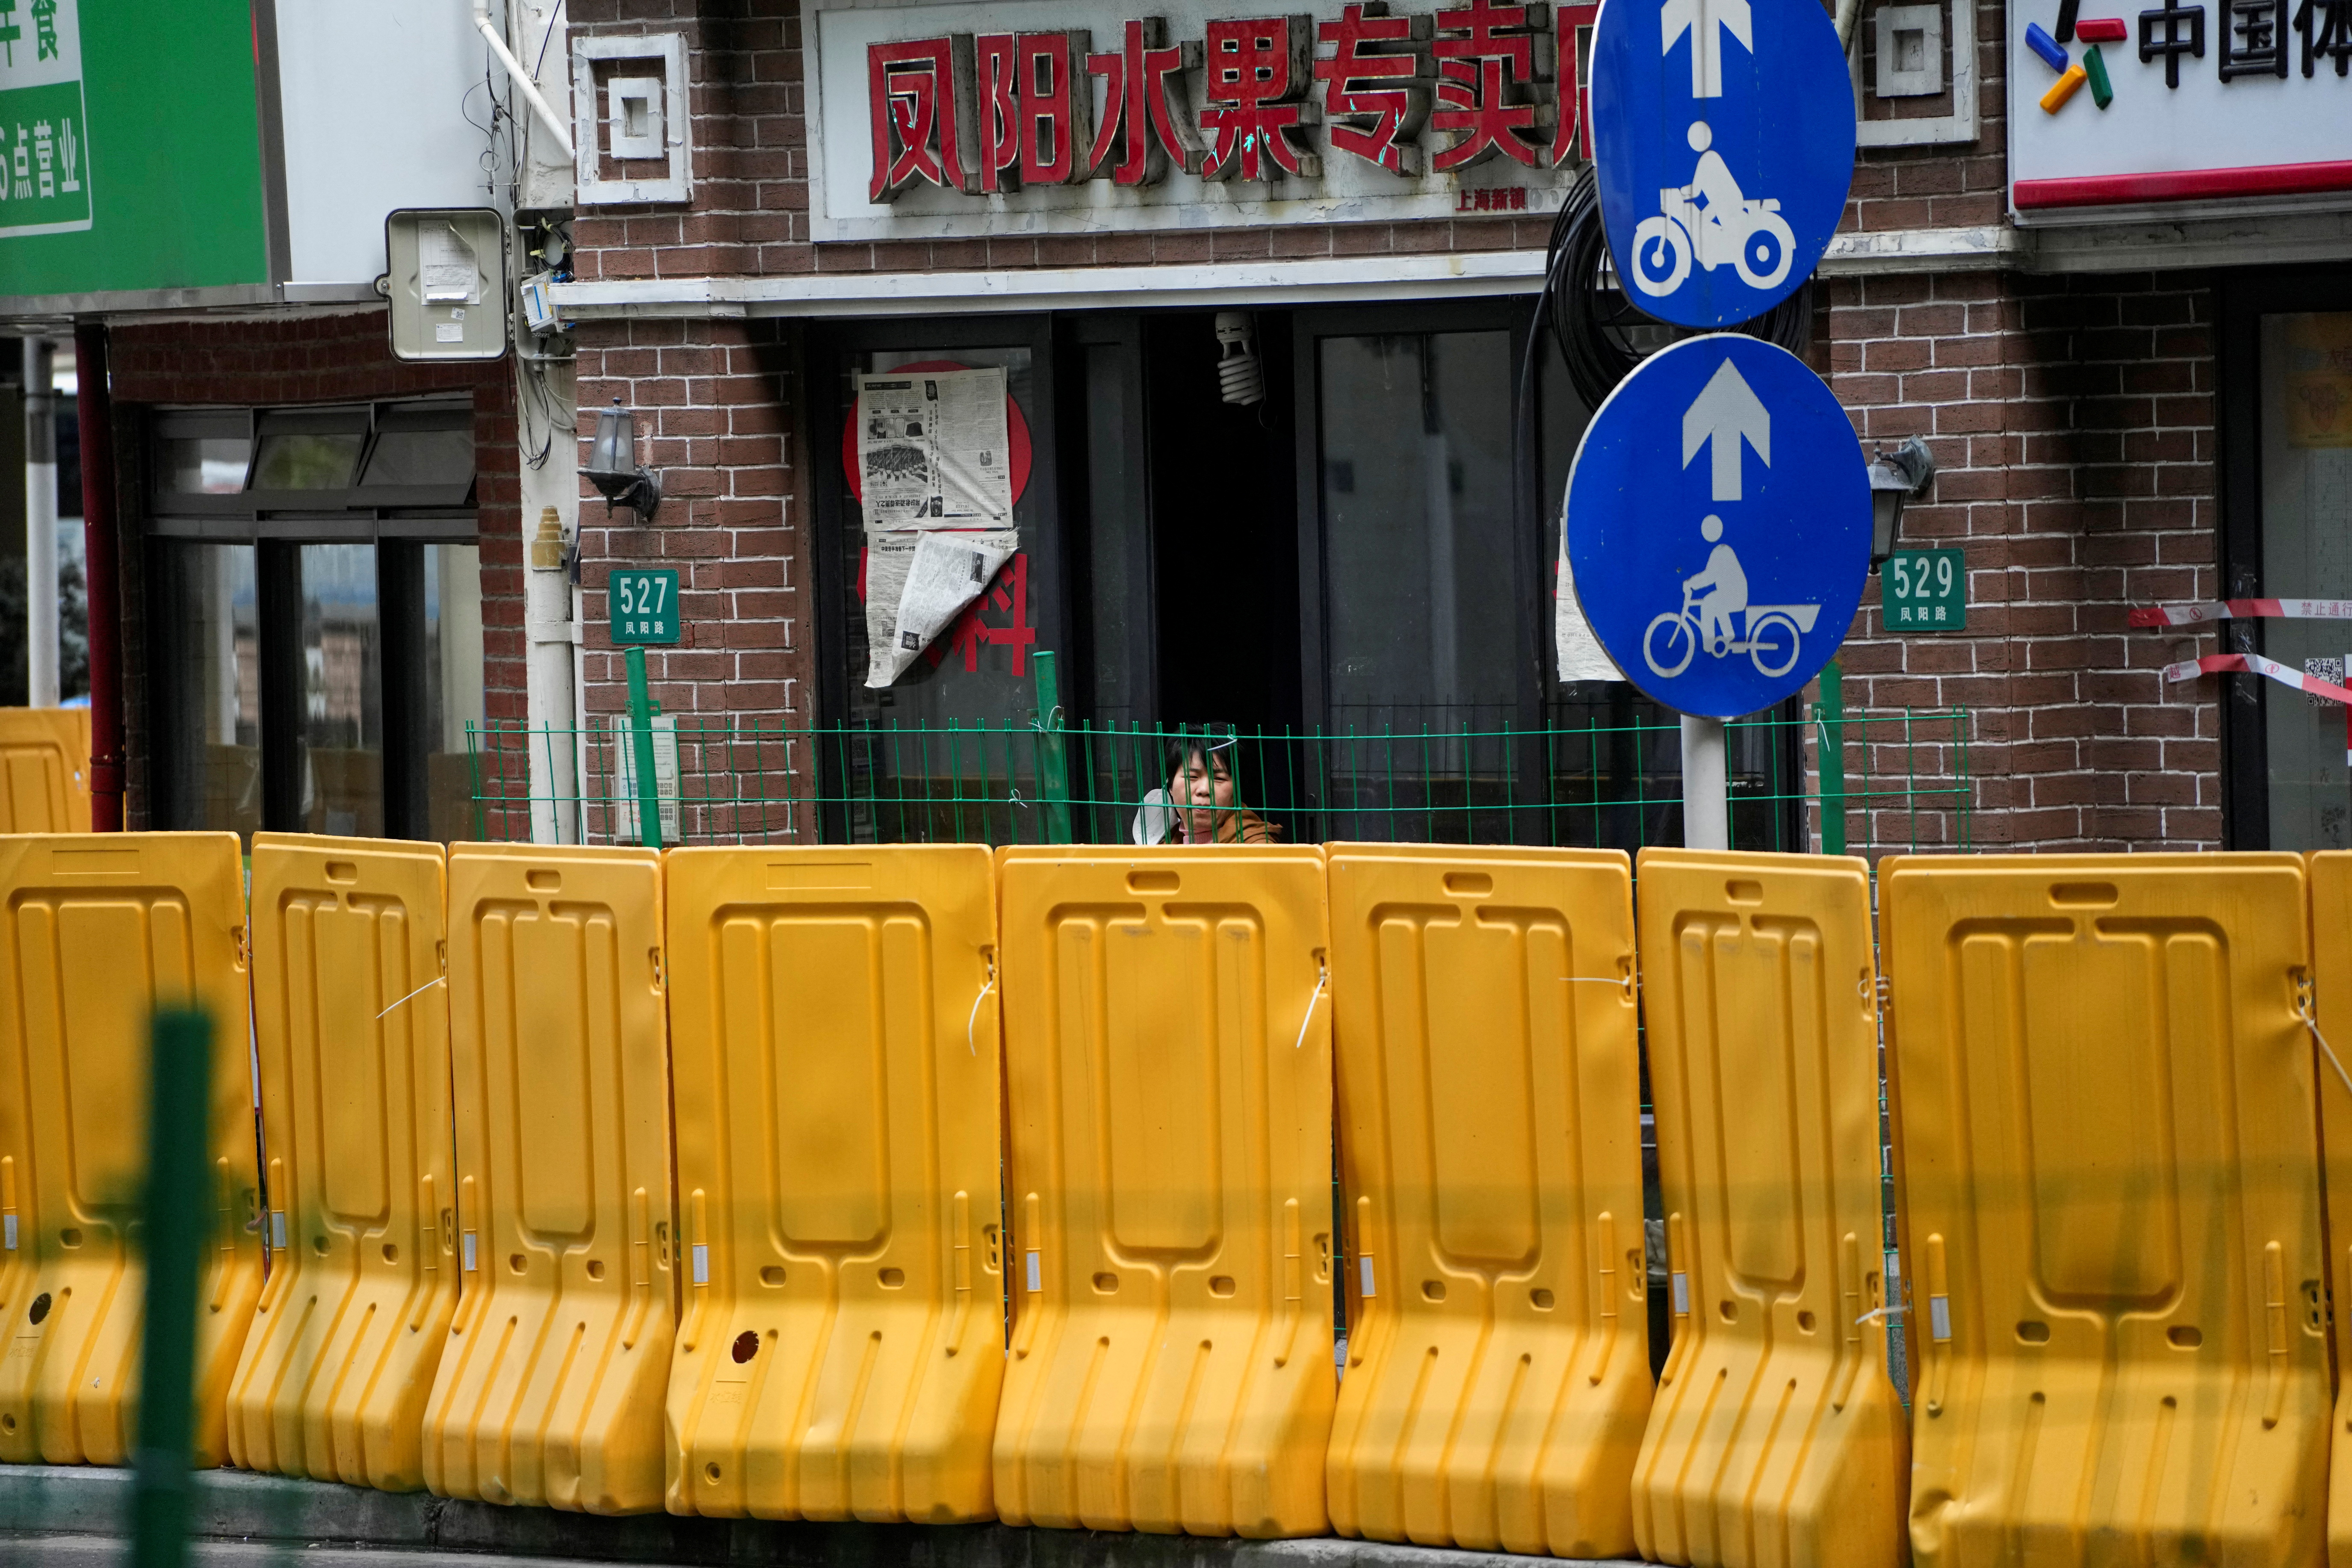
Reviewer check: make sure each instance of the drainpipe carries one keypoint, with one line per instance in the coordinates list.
(103, 582)
(40, 523)
(520, 77)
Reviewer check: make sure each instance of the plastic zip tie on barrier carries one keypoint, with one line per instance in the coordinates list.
(1322, 981)
(971, 1022)
(2211, 610)
(2311, 1021)
(413, 996)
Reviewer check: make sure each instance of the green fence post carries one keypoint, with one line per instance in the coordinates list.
(178, 1221)
(1053, 761)
(1830, 758)
(641, 743)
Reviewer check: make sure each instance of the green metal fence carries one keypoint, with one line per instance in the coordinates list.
(1905, 782)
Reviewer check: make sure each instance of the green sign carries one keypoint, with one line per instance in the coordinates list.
(644, 608)
(131, 149)
(1924, 590)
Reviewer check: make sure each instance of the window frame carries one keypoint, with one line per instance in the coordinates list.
(398, 521)
(2244, 297)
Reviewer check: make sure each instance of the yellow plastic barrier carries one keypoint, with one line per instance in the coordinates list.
(1778, 1436)
(44, 769)
(98, 931)
(551, 1388)
(352, 1022)
(2331, 1007)
(836, 1061)
(2103, 1095)
(1169, 1082)
(1489, 1086)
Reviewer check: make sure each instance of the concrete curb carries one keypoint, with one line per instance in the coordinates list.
(72, 1515)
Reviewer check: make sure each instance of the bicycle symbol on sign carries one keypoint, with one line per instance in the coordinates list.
(1774, 632)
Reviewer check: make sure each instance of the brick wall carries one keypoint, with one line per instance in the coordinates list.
(290, 360)
(2074, 425)
(716, 404)
(750, 212)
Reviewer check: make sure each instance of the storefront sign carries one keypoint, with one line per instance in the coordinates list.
(2121, 111)
(130, 147)
(1050, 116)
(1924, 590)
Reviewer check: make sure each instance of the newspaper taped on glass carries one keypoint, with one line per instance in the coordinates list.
(916, 584)
(934, 449)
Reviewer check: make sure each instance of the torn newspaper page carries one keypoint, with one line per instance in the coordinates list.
(916, 584)
(934, 449)
(1582, 657)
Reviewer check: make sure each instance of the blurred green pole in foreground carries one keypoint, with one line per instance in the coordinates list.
(174, 1227)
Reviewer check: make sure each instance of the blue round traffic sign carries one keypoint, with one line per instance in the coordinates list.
(1723, 136)
(1719, 525)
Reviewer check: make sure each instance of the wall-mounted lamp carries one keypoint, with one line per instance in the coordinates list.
(1894, 477)
(612, 466)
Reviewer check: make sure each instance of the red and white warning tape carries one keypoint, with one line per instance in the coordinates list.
(2243, 609)
(2285, 675)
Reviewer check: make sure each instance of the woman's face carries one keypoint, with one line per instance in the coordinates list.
(1200, 787)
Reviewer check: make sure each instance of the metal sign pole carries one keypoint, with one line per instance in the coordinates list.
(1707, 789)
(641, 740)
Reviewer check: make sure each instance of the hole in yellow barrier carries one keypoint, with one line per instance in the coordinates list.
(391, 1253)
(517, 1262)
(2034, 1332)
(40, 1307)
(2184, 1336)
(1152, 881)
(711, 1474)
(1433, 1290)
(1540, 1300)
(1221, 1284)
(1728, 1311)
(2083, 895)
(69, 1236)
(771, 1277)
(342, 871)
(746, 1346)
(1107, 1284)
(1744, 892)
(893, 1278)
(319, 1245)
(7, 1423)
(595, 1268)
(1470, 884)
(1804, 1322)
(544, 881)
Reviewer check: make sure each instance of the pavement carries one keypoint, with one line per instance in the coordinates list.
(74, 1517)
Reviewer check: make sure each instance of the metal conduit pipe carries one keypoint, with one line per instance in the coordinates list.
(522, 78)
(102, 579)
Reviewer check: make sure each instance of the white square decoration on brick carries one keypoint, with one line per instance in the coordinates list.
(643, 119)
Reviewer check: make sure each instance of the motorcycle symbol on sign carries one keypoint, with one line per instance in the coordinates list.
(1711, 219)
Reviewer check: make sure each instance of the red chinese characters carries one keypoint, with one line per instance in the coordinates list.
(918, 94)
(1257, 76)
(1376, 84)
(1489, 62)
(998, 63)
(968, 634)
(1572, 140)
(1144, 120)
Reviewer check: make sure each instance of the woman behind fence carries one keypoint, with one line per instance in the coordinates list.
(1204, 792)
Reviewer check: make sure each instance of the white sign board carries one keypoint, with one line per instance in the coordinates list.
(2135, 112)
(1034, 117)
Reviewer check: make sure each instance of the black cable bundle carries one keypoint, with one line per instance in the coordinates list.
(1597, 330)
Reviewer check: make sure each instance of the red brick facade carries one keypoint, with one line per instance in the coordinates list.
(316, 359)
(2072, 421)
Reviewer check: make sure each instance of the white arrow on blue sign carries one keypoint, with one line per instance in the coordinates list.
(1719, 525)
(1722, 135)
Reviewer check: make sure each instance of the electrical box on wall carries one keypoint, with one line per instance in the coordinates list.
(447, 283)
